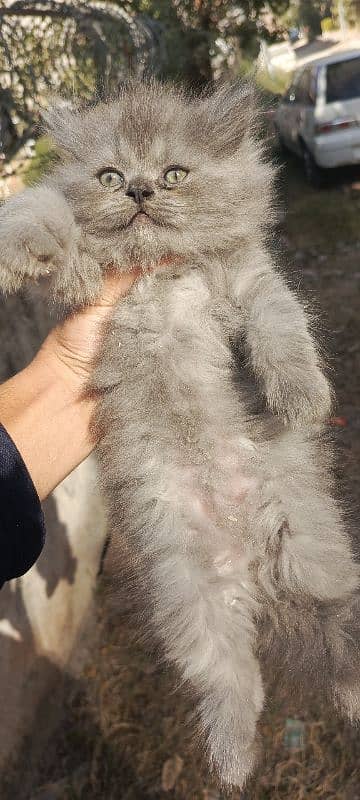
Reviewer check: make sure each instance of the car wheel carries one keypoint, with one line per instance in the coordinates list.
(315, 176)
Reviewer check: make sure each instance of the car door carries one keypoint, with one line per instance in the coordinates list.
(301, 117)
(305, 120)
(283, 115)
(293, 110)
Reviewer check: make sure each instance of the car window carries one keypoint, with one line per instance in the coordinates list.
(343, 80)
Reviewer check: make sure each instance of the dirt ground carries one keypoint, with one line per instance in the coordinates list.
(124, 732)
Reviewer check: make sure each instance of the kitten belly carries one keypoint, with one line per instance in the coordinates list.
(213, 494)
(214, 506)
(176, 427)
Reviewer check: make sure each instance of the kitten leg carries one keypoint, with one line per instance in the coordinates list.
(203, 605)
(205, 618)
(40, 240)
(308, 557)
(199, 594)
(314, 644)
(341, 624)
(281, 349)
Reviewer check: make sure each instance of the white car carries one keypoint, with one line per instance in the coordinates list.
(319, 116)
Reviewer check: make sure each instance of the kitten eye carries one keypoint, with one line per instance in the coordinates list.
(111, 179)
(175, 175)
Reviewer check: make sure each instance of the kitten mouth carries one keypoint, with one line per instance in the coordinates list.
(141, 218)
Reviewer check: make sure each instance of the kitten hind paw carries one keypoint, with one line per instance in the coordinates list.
(234, 766)
(347, 700)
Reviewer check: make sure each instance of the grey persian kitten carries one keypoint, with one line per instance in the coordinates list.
(210, 396)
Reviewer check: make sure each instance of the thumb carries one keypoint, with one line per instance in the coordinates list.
(116, 284)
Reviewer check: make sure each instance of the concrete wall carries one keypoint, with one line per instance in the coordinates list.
(42, 613)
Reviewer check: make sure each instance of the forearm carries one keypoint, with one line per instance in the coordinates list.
(45, 415)
(281, 351)
(277, 331)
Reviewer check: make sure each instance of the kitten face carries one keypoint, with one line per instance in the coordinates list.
(154, 173)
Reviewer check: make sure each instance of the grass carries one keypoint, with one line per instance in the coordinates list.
(44, 158)
(274, 85)
(324, 220)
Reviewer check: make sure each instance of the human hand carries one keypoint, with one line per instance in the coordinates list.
(70, 348)
(45, 408)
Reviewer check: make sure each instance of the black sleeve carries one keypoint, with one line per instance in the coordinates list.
(22, 527)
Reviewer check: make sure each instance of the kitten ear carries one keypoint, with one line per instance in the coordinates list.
(61, 123)
(230, 115)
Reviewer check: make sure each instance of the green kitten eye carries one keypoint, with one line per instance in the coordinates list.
(175, 175)
(111, 179)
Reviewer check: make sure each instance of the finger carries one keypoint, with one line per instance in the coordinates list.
(116, 285)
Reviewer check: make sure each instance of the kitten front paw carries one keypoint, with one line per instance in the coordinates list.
(37, 235)
(300, 398)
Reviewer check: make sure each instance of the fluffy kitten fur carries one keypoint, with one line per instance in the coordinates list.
(210, 397)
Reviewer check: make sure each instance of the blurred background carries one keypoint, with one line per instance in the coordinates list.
(86, 711)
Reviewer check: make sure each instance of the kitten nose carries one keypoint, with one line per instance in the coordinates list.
(139, 191)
